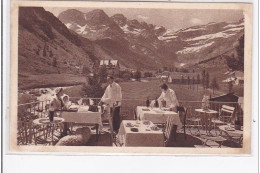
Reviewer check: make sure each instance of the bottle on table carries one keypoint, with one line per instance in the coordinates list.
(51, 112)
(156, 103)
(147, 102)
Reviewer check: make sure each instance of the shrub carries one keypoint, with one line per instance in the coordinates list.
(126, 76)
(102, 72)
(137, 75)
(148, 74)
(94, 90)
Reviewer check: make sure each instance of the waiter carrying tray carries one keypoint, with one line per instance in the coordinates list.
(113, 98)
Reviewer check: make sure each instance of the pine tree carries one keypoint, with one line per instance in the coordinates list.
(193, 82)
(44, 50)
(137, 75)
(50, 53)
(230, 86)
(207, 80)
(240, 53)
(214, 84)
(37, 51)
(102, 73)
(203, 78)
(188, 81)
(198, 81)
(54, 62)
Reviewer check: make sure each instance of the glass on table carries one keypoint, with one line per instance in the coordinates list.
(229, 124)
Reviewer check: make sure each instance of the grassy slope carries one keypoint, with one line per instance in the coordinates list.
(49, 80)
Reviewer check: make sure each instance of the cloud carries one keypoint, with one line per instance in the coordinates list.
(143, 17)
(196, 21)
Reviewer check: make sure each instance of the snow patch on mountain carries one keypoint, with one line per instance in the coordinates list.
(234, 29)
(68, 25)
(194, 49)
(193, 29)
(211, 36)
(168, 35)
(165, 38)
(157, 27)
(126, 30)
(81, 29)
(234, 25)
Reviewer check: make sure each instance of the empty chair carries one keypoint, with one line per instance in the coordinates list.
(193, 120)
(226, 114)
(216, 139)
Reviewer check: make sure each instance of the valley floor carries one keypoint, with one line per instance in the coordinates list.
(26, 81)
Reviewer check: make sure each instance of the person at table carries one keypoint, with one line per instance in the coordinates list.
(66, 102)
(57, 102)
(169, 96)
(113, 97)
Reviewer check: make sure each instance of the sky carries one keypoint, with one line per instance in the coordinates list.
(174, 19)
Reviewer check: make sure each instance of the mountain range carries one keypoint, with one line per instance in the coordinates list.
(73, 41)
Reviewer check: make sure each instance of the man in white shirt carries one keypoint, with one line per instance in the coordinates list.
(169, 96)
(113, 97)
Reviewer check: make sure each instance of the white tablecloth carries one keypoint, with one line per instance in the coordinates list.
(158, 116)
(143, 138)
(82, 117)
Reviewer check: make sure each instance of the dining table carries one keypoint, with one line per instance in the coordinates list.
(157, 115)
(52, 125)
(81, 115)
(206, 118)
(135, 133)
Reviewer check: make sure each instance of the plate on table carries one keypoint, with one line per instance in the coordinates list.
(158, 111)
(146, 109)
(155, 128)
(166, 109)
(72, 110)
(44, 121)
(230, 129)
(146, 122)
(134, 129)
(73, 106)
(129, 125)
(206, 110)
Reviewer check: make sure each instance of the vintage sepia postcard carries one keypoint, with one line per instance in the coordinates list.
(128, 77)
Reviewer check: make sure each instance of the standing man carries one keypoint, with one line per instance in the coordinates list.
(113, 96)
(169, 96)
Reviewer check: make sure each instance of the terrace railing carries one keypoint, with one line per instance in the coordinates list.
(30, 111)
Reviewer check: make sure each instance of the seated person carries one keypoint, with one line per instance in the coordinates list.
(66, 102)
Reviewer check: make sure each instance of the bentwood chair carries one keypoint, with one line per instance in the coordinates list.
(193, 121)
(216, 139)
(183, 113)
(226, 113)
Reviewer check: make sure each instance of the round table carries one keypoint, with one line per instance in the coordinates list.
(207, 115)
(46, 122)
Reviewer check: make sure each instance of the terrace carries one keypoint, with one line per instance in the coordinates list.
(196, 133)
